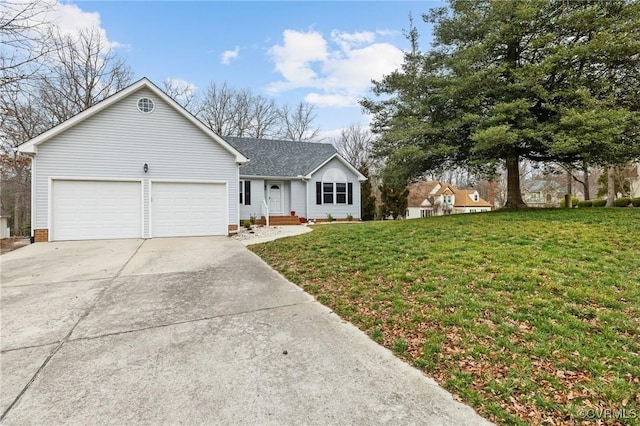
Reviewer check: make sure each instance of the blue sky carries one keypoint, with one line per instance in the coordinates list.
(324, 52)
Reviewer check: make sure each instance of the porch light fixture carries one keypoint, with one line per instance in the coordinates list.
(145, 167)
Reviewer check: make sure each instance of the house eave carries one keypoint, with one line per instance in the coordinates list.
(272, 177)
(361, 177)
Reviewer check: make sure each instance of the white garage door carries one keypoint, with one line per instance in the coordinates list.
(88, 210)
(180, 209)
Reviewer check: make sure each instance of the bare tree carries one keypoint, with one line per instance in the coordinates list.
(232, 112)
(298, 123)
(242, 112)
(75, 75)
(23, 45)
(217, 109)
(86, 70)
(183, 93)
(265, 118)
(354, 144)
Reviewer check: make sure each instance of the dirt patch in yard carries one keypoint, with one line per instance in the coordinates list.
(9, 244)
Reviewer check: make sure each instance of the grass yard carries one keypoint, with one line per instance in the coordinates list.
(530, 317)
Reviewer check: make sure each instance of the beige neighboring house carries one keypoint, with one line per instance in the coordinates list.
(634, 178)
(433, 198)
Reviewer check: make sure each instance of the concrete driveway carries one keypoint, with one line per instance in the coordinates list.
(189, 331)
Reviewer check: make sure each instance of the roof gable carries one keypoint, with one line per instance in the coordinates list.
(420, 191)
(280, 158)
(464, 198)
(31, 146)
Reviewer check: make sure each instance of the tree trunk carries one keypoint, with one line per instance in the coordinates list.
(16, 215)
(568, 200)
(585, 180)
(514, 194)
(611, 185)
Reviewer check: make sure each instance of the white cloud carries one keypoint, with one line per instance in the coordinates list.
(331, 100)
(294, 59)
(346, 41)
(71, 20)
(229, 55)
(337, 71)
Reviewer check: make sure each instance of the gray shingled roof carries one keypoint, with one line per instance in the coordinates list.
(280, 158)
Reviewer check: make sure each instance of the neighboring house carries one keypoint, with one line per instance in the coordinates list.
(634, 178)
(308, 180)
(433, 198)
(136, 165)
(542, 193)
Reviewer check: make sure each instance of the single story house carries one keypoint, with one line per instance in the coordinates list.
(306, 180)
(138, 165)
(434, 198)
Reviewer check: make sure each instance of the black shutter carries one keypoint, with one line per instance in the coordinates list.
(247, 192)
(350, 193)
(318, 192)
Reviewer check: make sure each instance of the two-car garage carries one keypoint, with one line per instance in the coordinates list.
(135, 165)
(110, 209)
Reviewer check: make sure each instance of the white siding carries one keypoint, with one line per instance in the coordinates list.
(413, 212)
(338, 211)
(118, 141)
(298, 197)
(257, 196)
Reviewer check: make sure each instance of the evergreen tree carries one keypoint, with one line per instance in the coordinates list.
(367, 199)
(512, 80)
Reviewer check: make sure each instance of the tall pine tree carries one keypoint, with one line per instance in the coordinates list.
(513, 80)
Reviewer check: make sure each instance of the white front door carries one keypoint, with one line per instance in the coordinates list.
(274, 194)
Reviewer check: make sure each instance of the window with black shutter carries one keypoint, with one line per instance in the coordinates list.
(247, 192)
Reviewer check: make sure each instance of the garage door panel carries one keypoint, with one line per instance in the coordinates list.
(188, 209)
(84, 209)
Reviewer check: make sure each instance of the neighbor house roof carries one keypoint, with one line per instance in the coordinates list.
(420, 191)
(464, 198)
(280, 158)
(31, 146)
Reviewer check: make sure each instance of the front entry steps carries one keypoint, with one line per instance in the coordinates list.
(279, 220)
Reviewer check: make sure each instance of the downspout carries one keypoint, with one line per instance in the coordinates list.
(305, 179)
(33, 197)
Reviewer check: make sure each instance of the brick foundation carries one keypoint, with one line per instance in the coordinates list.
(232, 229)
(41, 235)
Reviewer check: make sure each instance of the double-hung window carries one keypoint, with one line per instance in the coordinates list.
(334, 193)
(327, 193)
(341, 193)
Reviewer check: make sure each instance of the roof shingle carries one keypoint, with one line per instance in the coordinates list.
(268, 157)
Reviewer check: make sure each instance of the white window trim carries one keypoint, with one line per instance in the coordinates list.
(335, 193)
(241, 191)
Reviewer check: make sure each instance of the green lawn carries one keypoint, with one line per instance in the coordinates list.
(526, 316)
